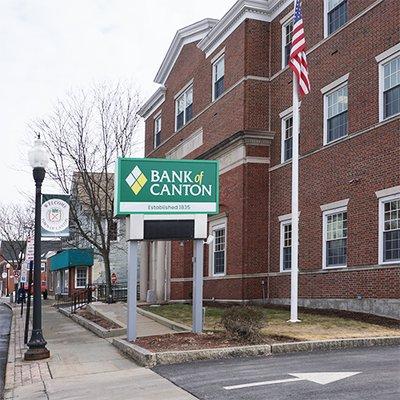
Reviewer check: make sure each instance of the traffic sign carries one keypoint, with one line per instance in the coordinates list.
(30, 249)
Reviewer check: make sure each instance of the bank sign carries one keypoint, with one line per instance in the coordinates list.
(160, 186)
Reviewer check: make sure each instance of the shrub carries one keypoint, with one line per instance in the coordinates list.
(243, 322)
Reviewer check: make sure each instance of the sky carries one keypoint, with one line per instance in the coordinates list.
(48, 47)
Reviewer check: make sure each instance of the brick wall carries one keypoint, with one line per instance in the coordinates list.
(253, 196)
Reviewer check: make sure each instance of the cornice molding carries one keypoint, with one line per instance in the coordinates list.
(262, 10)
(156, 99)
(186, 35)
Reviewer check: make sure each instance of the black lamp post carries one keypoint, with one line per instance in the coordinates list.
(38, 160)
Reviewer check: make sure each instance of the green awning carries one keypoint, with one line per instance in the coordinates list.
(71, 258)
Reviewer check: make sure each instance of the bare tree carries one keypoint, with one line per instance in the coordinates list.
(16, 222)
(85, 134)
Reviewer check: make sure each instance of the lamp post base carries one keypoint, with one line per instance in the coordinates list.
(36, 354)
(37, 347)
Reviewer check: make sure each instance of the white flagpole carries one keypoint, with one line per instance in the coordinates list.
(295, 204)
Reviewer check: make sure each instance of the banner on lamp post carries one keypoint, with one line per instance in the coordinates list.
(55, 215)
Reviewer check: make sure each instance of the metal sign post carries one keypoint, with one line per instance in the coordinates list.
(198, 262)
(132, 288)
(166, 200)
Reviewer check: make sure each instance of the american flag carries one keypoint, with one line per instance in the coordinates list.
(297, 59)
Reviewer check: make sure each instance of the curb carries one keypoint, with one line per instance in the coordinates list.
(175, 326)
(146, 358)
(325, 345)
(10, 365)
(93, 327)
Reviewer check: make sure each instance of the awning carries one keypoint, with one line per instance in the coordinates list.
(71, 258)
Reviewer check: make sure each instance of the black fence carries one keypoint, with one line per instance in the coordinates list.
(76, 301)
(99, 292)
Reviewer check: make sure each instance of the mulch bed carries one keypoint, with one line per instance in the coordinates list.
(193, 341)
(357, 316)
(104, 323)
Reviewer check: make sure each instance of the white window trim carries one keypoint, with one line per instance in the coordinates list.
(326, 94)
(156, 117)
(182, 91)
(382, 202)
(325, 235)
(284, 22)
(283, 132)
(335, 205)
(214, 225)
(390, 54)
(76, 277)
(284, 220)
(221, 56)
(326, 21)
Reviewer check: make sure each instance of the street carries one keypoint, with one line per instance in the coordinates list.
(369, 373)
(5, 321)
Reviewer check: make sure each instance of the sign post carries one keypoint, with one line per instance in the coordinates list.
(197, 314)
(166, 200)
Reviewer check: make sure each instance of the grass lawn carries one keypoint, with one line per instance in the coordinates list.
(312, 326)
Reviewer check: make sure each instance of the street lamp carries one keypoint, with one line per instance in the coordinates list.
(38, 160)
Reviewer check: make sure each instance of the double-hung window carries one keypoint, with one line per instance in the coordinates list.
(287, 137)
(390, 87)
(184, 108)
(286, 245)
(81, 277)
(389, 229)
(218, 248)
(335, 238)
(218, 77)
(336, 15)
(287, 30)
(157, 131)
(336, 114)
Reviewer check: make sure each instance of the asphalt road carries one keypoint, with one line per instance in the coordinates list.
(5, 325)
(376, 376)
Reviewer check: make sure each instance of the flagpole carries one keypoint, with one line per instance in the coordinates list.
(295, 204)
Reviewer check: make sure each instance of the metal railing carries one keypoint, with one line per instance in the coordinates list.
(76, 301)
(81, 298)
(117, 293)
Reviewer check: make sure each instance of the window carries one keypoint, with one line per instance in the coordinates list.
(389, 232)
(113, 231)
(157, 131)
(218, 250)
(287, 138)
(286, 246)
(335, 15)
(335, 238)
(184, 107)
(287, 29)
(336, 110)
(81, 277)
(218, 77)
(390, 87)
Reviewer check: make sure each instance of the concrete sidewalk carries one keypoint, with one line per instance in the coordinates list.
(82, 366)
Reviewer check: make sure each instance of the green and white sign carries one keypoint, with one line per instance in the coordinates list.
(160, 186)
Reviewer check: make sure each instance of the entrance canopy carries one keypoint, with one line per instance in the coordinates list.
(71, 258)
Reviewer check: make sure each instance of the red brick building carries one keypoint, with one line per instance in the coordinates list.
(226, 92)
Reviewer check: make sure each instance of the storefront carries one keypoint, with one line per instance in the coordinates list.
(71, 271)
